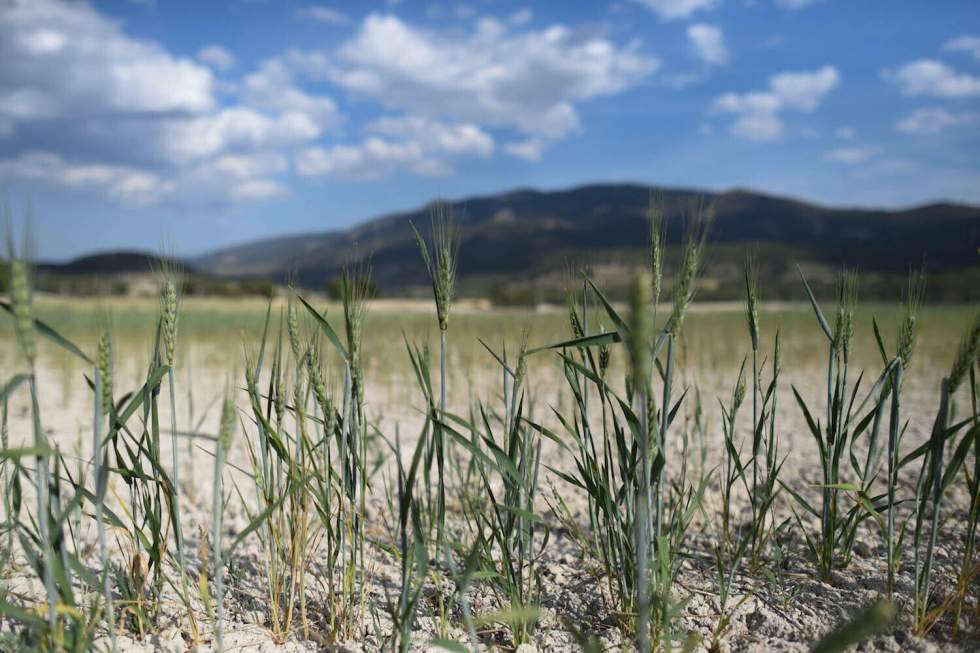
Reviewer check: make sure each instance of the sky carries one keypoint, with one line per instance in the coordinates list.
(196, 125)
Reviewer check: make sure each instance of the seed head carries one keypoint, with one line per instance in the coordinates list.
(105, 371)
(442, 260)
(658, 243)
(641, 330)
(227, 429)
(169, 302)
(521, 371)
(603, 359)
(316, 376)
(846, 300)
(752, 299)
(573, 319)
(690, 267)
(739, 395)
(355, 286)
(966, 356)
(292, 328)
(20, 296)
(250, 380)
(279, 400)
(299, 389)
(908, 329)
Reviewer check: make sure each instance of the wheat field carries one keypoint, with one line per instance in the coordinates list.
(205, 474)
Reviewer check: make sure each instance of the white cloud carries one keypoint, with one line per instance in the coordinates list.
(323, 14)
(528, 81)
(796, 4)
(967, 44)
(521, 17)
(234, 129)
(454, 139)
(257, 189)
(933, 120)
(804, 90)
(245, 166)
(372, 159)
(846, 133)
(69, 58)
(708, 43)
(76, 94)
(273, 88)
(757, 114)
(852, 155)
(529, 149)
(128, 185)
(219, 58)
(933, 78)
(672, 9)
(412, 143)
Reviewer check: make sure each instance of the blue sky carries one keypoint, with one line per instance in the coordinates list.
(202, 124)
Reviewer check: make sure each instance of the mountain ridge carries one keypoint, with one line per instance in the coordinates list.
(518, 245)
(524, 233)
(735, 190)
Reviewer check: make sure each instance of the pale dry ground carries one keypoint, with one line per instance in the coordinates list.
(770, 617)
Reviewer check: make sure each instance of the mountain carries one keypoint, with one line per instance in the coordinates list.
(109, 263)
(519, 245)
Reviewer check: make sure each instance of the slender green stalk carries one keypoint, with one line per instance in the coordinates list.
(170, 316)
(936, 476)
(23, 310)
(894, 433)
(103, 399)
(225, 433)
(752, 318)
(441, 265)
(641, 337)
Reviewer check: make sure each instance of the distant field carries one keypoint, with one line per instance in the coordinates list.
(220, 326)
(779, 599)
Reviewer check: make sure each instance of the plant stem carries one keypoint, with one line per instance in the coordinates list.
(99, 498)
(216, 519)
(178, 529)
(43, 512)
(893, 452)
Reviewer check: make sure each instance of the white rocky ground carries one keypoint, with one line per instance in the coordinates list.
(788, 615)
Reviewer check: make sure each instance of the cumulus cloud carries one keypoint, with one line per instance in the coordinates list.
(708, 43)
(78, 93)
(852, 155)
(323, 14)
(219, 58)
(527, 81)
(412, 143)
(272, 88)
(372, 159)
(804, 90)
(933, 120)
(521, 17)
(968, 43)
(757, 114)
(673, 9)
(126, 184)
(66, 58)
(933, 78)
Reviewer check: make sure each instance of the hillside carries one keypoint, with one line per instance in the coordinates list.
(518, 245)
